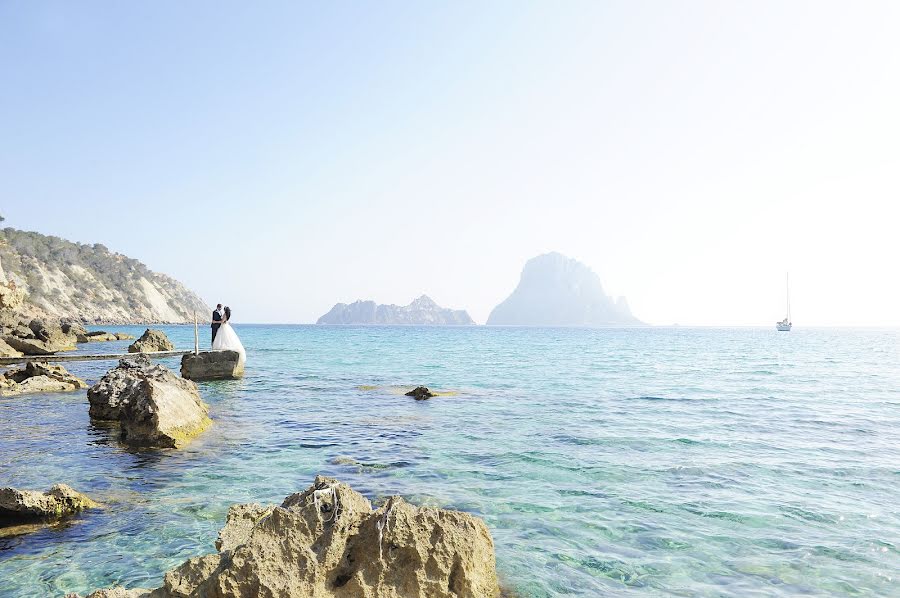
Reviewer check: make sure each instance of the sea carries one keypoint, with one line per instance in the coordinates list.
(606, 462)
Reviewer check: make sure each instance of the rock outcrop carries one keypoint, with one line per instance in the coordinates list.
(38, 377)
(558, 291)
(25, 505)
(421, 312)
(39, 337)
(328, 542)
(7, 351)
(213, 365)
(90, 283)
(82, 335)
(151, 340)
(420, 393)
(154, 407)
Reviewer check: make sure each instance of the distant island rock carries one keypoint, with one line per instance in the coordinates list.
(48, 277)
(421, 312)
(555, 290)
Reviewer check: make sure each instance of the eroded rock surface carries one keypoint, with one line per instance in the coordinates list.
(26, 505)
(7, 351)
(38, 377)
(328, 542)
(151, 340)
(420, 393)
(39, 337)
(154, 407)
(213, 365)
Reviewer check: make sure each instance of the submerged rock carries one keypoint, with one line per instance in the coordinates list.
(25, 505)
(100, 336)
(38, 377)
(155, 407)
(420, 393)
(213, 365)
(328, 542)
(151, 340)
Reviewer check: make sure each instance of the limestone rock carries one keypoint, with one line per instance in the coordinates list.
(213, 365)
(105, 397)
(23, 505)
(7, 351)
(421, 312)
(40, 337)
(38, 377)
(100, 336)
(160, 409)
(327, 542)
(151, 340)
(76, 329)
(121, 336)
(420, 393)
(10, 297)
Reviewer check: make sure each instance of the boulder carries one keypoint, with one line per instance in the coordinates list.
(38, 377)
(25, 505)
(420, 393)
(159, 409)
(212, 365)
(40, 337)
(76, 329)
(105, 397)
(328, 542)
(151, 340)
(7, 351)
(121, 336)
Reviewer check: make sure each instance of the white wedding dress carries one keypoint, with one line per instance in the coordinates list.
(227, 340)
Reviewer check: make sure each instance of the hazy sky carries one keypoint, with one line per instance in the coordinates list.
(281, 157)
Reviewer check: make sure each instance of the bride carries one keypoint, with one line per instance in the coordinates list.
(227, 339)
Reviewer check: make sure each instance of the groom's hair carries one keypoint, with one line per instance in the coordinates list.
(218, 306)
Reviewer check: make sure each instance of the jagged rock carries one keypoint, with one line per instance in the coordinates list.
(420, 393)
(7, 351)
(105, 397)
(76, 329)
(555, 290)
(151, 340)
(213, 365)
(421, 312)
(327, 542)
(10, 297)
(159, 409)
(40, 337)
(38, 377)
(24, 505)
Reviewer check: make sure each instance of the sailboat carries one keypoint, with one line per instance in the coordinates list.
(785, 324)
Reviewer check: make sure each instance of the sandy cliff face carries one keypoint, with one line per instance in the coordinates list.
(90, 283)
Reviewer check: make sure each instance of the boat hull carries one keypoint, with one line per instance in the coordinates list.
(782, 327)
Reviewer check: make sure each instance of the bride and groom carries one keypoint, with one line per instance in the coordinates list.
(224, 338)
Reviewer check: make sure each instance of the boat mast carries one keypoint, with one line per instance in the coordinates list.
(787, 286)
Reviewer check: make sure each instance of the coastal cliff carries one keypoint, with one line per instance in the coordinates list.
(555, 290)
(421, 312)
(61, 279)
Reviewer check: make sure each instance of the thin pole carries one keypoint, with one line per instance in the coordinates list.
(196, 336)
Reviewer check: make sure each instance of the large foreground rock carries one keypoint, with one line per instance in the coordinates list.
(328, 542)
(155, 407)
(25, 505)
(213, 365)
(40, 337)
(151, 340)
(38, 377)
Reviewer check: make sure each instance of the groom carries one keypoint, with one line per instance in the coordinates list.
(217, 318)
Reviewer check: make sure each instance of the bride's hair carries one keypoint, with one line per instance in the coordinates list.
(227, 313)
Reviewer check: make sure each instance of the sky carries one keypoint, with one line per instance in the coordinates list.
(282, 157)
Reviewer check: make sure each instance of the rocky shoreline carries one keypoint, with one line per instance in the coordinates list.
(328, 542)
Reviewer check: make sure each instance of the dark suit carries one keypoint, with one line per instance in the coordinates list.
(217, 321)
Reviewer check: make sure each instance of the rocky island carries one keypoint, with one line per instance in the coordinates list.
(555, 290)
(421, 312)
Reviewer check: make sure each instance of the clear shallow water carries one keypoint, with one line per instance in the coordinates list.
(710, 462)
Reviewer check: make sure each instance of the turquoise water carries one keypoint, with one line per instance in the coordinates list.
(652, 462)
